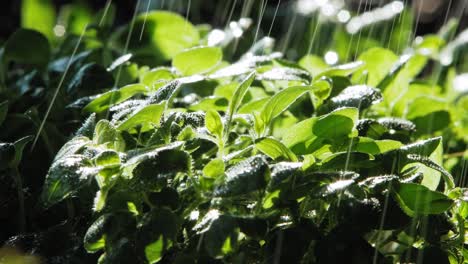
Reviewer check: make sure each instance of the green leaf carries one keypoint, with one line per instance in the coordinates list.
(74, 146)
(337, 124)
(165, 34)
(282, 172)
(197, 60)
(247, 176)
(144, 117)
(88, 126)
(104, 132)
(158, 224)
(429, 114)
(154, 250)
(219, 232)
(107, 229)
(253, 106)
(359, 96)
(341, 70)
(374, 147)
(416, 199)
(66, 177)
(210, 103)
(107, 158)
(314, 64)
(214, 124)
(153, 170)
(280, 102)
(274, 149)
(377, 64)
(306, 136)
(238, 95)
(38, 15)
(110, 98)
(18, 48)
(157, 77)
(214, 168)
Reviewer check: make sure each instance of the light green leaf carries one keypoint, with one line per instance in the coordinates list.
(214, 168)
(165, 35)
(214, 123)
(429, 114)
(274, 149)
(378, 63)
(374, 147)
(314, 64)
(281, 101)
(154, 250)
(306, 136)
(39, 15)
(239, 94)
(143, 117)
(197, 60)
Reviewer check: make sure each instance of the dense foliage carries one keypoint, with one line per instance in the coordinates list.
(192, 153)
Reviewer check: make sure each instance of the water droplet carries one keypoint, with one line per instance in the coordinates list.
(331, 57)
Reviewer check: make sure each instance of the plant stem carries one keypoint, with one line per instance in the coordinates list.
(19, 188)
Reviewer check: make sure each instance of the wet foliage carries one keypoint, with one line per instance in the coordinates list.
(154, 143)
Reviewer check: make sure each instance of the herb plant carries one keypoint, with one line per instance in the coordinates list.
(192, 154)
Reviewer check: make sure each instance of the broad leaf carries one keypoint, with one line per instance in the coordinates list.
(247, 176)
(165, 34)
(197, 60)
(18, 48)
(144, 117)
(274, 149)
(416, 200)
(108, 99)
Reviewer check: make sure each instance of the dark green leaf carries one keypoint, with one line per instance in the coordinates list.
(247, 176)
(108, 99)
(18, 48)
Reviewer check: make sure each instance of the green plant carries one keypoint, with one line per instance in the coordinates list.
(192, 158)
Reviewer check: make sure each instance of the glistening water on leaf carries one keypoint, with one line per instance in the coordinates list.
(315, 132)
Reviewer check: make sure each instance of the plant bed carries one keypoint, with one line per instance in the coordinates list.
(190, 153)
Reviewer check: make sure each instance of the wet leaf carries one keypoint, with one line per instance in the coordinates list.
(416, 200)
(66, 177)
(108, 99)
(274, 149)
(197, 60)
(144, 117)
(214, 124)
(280, 102)
(358, 96)
(165, 34)
(341, 70)
(247, 176)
